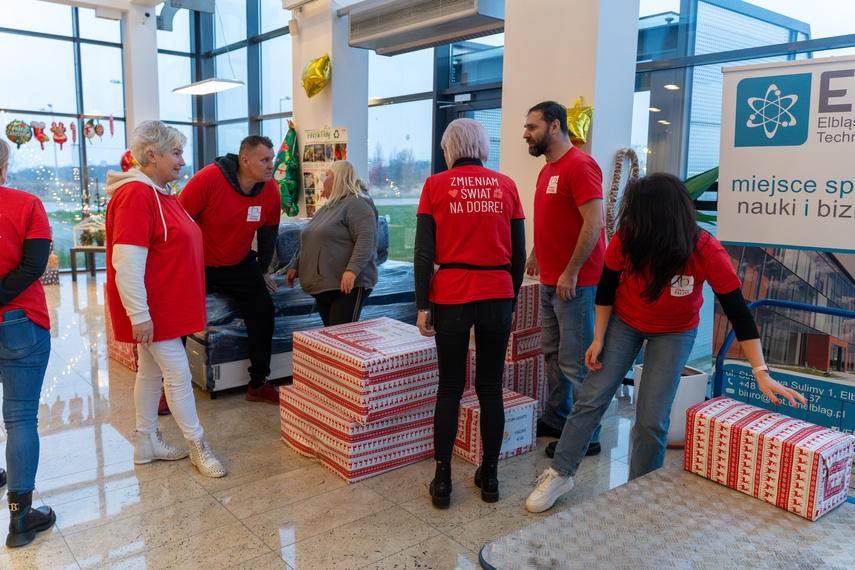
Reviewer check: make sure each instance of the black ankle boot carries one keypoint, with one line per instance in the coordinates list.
(26, 521)
(487, 479)
(440, 487)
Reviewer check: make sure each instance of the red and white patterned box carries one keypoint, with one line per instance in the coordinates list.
(123, 352)
(349, 449)
(367, 370)
(521, 344)
(527, 314)
(526, 377)
(520, 421)
(790, 463)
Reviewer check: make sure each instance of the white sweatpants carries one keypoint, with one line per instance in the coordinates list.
(165, 360)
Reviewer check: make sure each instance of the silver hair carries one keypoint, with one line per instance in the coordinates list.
(466, 138)
(155, 136)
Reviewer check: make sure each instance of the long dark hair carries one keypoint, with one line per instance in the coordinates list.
(658, 230)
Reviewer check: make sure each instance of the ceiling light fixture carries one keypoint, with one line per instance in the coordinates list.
(654, 110)
(663, 122)
(671, 87)
(208, 86)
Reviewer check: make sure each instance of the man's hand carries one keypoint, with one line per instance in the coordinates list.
(271, 285)
(423, 322)
(348, 278)
(290, 277)
(531, 265)
(143, 332)
(566, 286)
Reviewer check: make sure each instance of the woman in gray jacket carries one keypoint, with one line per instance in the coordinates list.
(336, 262)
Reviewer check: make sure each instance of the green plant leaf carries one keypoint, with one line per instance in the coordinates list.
(700, 183)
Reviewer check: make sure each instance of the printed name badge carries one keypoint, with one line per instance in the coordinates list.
(253, 214)
(552, 187)
(682, 285)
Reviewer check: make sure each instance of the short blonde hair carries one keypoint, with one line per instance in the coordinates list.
(466, 138)
(4, 153)
(345, 181)
(155, 136)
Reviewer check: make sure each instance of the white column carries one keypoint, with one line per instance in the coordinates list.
(139, 53)
(344, 101)
(560, 50)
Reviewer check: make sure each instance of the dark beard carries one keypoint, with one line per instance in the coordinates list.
(539, 147)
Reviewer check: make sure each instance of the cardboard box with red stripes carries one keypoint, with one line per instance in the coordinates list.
(348, 448)
(526, 377)
(527, 314)
(368, 370)
(521, 344)
(796, 465)
(123, 352)
(519, 435)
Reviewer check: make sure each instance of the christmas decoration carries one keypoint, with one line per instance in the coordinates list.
(316, 75)
(99, 130)
(58, 131)
(89, 129)
(111, 126)
(127, 161)
(73, 127)
(39, 133)
(19, 132)
(287, 172)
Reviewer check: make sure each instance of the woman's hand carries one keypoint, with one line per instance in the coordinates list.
(423, 322)
(143, 332)
(270, 283)
(592, 354)
(347, 281)
(769, 386)
(290, 276)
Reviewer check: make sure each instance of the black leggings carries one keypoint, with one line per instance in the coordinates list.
(492, 320)
(337, 308)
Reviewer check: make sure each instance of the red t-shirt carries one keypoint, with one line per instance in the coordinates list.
(174, 271)
(22, 216)
(562, 187)
(677, 308)
(473, 208)
(228, 218)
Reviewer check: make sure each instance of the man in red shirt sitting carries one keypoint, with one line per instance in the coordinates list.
(232, 200)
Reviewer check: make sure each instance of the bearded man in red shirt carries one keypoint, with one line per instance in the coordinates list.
(233, 200)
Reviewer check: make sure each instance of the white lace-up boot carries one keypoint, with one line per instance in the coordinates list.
(204, 460)
(150, 447)
(550, 485)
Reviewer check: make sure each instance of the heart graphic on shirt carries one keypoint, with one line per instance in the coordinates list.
(453, 193)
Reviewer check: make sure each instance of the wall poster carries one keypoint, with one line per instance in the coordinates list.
(321, 148)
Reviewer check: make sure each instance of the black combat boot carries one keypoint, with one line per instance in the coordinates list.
(487, 479)
(440, 487)
(26, 521)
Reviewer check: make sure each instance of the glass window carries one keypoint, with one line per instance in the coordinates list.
(179, 38)
(35, 16)
(189, 153)
(102, 154)
(229, 137)
(100, 29)
(103, 92)
(277, 93)
(492, 121)
(174, 71)
(275, 129)
(825, 18)
(273, 16)
(229, 22)
(400, 74)
(399, 161)
(44, 79)
(232, 103)
(477, 61)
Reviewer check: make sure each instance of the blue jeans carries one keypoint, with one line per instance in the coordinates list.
(24, 354)
(568, 330)
(664, 359)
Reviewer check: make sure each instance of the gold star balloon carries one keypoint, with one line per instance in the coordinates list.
(316, 75)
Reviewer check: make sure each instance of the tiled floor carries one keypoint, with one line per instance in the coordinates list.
(275, 509)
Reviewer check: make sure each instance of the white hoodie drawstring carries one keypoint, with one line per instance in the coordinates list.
(160, 208)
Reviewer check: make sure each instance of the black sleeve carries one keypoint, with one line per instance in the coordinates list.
(33, 264)
(736, 309)
(266, 245)
(607, 287)
(517, 254)
(423, 255)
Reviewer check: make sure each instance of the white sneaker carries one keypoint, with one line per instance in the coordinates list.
(550, 486)
(203, 458)
(151, 447)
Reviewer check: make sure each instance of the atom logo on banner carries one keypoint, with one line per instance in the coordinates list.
(772, 111)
